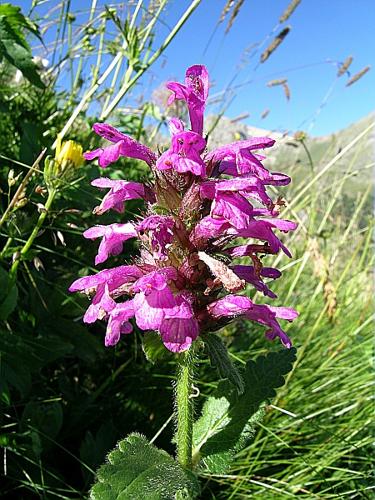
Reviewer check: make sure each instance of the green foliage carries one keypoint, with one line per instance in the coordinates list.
(44, 420)
(95, 446)
(153, 347)
(220, 359)
(8, 295)
(137, 469)
(13, 45)
(17, 20)
(229, 420)
(29, 119)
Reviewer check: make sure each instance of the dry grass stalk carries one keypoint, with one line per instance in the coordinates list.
(289, 10)
(274, 83)
(358, 75)
(240, 117)
(286, 90)
(226, 9)
(265, 113)
(322, 271)
(235, 12)
(275, 43)
(345, 66)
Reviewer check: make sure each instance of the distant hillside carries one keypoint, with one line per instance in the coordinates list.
(289, 156)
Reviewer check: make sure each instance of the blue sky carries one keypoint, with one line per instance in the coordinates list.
(323, 33)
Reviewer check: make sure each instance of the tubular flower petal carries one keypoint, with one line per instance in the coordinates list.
(101, 304)
(231, 305)
(123, 145)
(179, 327)
(118, 322)
(160, 232)
(249, 274)
(194, 93)
(184, 154)
(113, 237)
(119, 192)
(266, 315)
(184, 282)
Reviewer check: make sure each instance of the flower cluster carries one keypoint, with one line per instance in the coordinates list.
(198, 206)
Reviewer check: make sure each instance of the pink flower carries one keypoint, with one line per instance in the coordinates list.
(230, 199)
(194, 92)
(113, 238)
(209, 228)
(119, 192)
(101, 304)
(249, 274)
(159, 230)
(236, 305)
(266, 315)
(262, 230)
(154, 297)
(231, 305)
(118, 322)
(197, 205)
(184, 155)
(123, 145)
(240, 147)
(179, 327)
(114, 278)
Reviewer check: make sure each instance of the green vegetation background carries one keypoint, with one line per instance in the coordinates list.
(66, 399)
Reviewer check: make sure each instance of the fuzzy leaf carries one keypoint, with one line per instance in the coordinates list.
(137, 469)
(220, 359)
(228, 420)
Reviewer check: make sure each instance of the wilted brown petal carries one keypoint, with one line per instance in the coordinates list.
(228, 278)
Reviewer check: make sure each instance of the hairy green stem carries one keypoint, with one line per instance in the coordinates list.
(184, 408)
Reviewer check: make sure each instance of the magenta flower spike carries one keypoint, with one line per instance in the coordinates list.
(202, 211)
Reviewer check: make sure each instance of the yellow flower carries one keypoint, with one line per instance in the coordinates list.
(68, 158)
(69, 151)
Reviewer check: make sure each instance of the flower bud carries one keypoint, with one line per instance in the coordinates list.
(11, 178)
